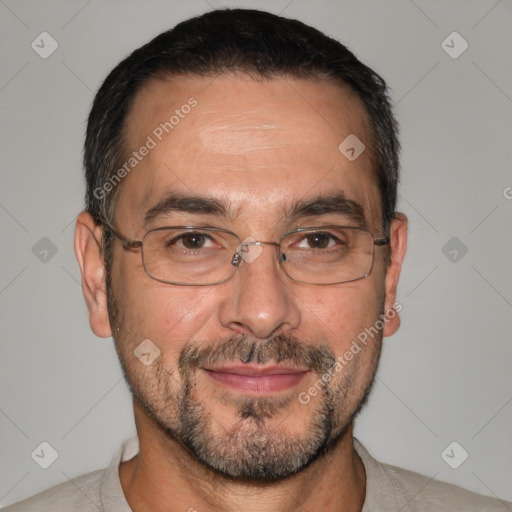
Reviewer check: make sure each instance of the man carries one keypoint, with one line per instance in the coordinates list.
(241, 246)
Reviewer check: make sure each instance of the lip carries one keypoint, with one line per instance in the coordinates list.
(257, 380)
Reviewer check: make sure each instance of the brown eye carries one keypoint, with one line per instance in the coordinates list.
(193, 240)
(318, 240)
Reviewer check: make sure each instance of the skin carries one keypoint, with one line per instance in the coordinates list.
(259, 146)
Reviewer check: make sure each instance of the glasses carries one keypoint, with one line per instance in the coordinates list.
(193, 256)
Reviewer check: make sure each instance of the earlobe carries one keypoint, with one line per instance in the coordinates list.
(88, 236)
(398, 245)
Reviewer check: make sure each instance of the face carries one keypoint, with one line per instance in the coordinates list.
(240, 379)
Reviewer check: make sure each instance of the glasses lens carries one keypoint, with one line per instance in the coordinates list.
(189, 255)
(328, 255)
(195, 256)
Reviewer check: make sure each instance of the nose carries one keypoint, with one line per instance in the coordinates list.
(259, 302)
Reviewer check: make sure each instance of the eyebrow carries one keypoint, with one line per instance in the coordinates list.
(176, 202)
(334, 203)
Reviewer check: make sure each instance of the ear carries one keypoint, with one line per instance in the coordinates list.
(398, 245)
(88, 238)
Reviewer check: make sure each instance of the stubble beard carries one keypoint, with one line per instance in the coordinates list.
(257, 447)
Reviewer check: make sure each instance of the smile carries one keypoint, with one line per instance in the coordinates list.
(257, 380)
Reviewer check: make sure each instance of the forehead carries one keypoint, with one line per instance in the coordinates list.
(257, 144)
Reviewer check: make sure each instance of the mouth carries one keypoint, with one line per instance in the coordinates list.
(257, 380)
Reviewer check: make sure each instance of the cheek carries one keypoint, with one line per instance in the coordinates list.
(167, 315)
(345, 310)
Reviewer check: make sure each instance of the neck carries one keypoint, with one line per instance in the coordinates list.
(165, 477)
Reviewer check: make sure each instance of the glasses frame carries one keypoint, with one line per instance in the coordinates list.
(237, 259)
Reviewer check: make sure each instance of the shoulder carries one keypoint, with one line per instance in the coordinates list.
(81, 493)
(99, 490)
(424, 494)
(393, 488)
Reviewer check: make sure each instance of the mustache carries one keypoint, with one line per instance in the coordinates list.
(279, 349)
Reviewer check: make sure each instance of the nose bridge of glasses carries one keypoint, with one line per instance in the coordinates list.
(244, 253)
(257, 242)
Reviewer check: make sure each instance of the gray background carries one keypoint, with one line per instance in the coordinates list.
(445, 376)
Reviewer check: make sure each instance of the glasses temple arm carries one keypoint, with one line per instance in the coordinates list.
(127, 244)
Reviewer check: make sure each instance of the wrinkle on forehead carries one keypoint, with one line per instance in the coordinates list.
(309, 101)
(241, 133)
(257, 143)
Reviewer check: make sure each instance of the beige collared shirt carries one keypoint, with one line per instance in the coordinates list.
(388, 488)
